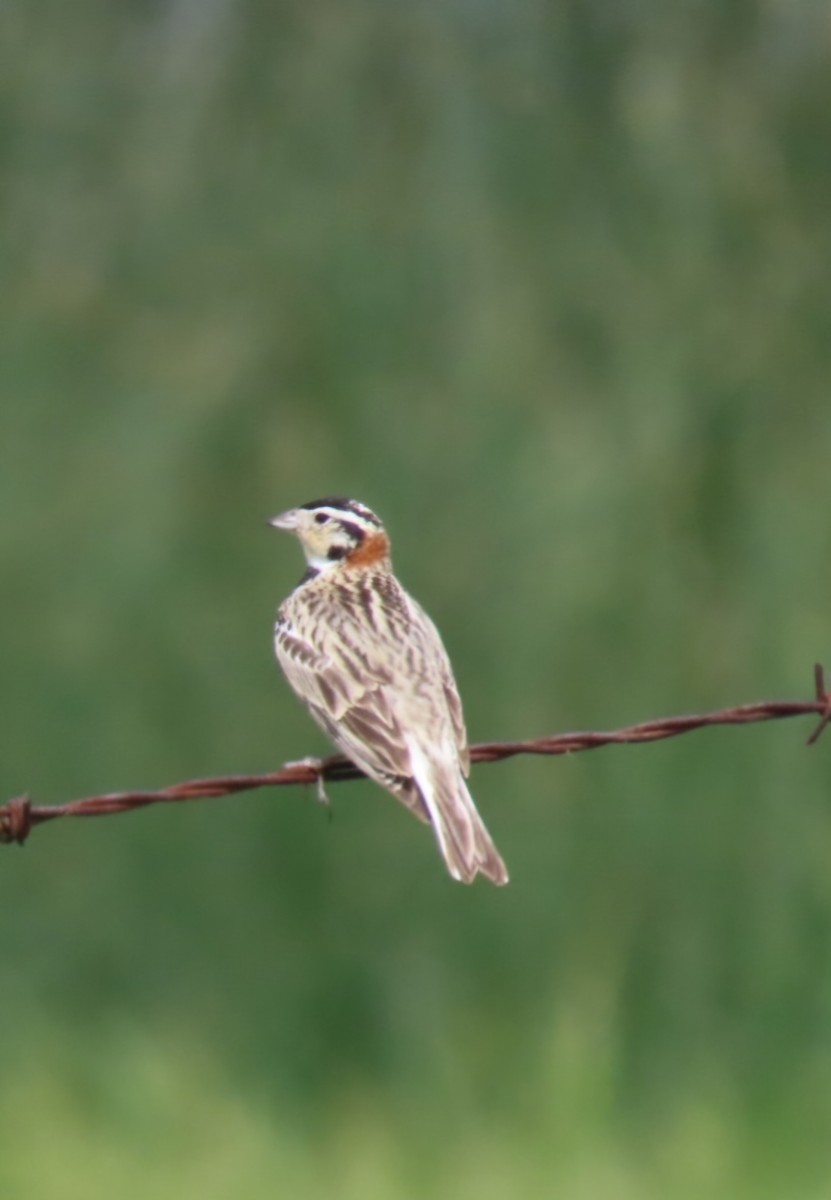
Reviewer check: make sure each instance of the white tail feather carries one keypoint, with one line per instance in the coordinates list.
(462, 838)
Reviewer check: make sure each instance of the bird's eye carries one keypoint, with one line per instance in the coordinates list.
(321, 518)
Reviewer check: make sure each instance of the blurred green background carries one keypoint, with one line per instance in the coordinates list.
(547, 285)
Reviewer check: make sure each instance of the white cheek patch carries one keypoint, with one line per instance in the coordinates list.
(320, 563)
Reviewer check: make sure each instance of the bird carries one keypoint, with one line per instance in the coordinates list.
(369, 665)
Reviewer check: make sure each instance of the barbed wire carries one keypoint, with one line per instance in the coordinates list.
(19, 816)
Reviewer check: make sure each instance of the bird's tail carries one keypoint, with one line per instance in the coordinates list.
(464, 842)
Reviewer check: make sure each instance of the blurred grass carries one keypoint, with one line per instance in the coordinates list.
(547, 286)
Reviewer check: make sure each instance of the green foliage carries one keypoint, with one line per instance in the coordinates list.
(547, 286)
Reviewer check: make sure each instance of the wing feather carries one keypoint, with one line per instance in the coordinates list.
(355, 711)
(372, 687)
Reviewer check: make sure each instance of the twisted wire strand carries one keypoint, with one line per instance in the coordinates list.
(19, 816)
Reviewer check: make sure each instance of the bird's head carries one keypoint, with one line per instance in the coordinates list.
(336, 532)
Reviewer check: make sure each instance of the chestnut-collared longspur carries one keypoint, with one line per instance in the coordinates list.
(369, 665)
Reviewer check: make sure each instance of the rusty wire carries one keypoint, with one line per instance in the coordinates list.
(19, 817)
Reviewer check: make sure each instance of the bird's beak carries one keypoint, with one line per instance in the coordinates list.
(287, 520)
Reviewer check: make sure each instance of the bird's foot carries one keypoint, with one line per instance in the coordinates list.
(318, 765)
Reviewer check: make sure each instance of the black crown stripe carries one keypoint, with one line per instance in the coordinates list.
(345, 505)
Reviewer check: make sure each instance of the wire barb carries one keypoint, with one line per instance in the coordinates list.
(824, 699)
(16, 820)
(19, 817)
